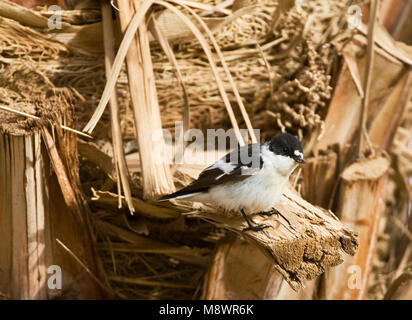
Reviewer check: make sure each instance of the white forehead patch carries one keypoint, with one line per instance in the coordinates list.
(298, 153)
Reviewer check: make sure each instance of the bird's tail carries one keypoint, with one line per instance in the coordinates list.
(181, 194)
(167, 197)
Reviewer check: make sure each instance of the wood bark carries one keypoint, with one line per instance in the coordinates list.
(232, 276)
(301, 242)
(34, 213)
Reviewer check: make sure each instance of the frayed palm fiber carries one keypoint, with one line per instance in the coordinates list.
(288, 93)
(300, 70)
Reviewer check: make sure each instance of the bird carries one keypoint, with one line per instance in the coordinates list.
(250, 179)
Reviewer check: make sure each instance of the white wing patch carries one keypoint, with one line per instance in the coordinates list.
(298, 153)
(249, 171)
(219, 176)
(226, 167)
(245, 171)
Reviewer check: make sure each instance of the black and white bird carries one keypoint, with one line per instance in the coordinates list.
(250, 179)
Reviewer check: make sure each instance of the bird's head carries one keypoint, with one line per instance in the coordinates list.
(287, 145)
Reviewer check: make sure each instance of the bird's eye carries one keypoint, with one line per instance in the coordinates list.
(285, 150)
(270, 147)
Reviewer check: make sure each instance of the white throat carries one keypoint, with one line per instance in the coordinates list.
(282, 164)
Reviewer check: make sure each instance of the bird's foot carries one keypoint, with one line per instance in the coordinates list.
(269, 213)
(251, 226)
(255, 228)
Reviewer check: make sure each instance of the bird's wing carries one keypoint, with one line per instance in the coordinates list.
(235, 166)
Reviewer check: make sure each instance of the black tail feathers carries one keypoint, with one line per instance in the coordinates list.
(167, 197)
(181, 194)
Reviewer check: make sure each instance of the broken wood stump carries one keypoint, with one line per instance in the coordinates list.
(43, 235)
(241, 271)
(360, 206)
(302, 240)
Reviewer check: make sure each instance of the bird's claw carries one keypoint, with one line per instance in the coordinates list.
(255, 228)
(268, 213)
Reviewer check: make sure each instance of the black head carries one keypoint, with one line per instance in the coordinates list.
(287, 145)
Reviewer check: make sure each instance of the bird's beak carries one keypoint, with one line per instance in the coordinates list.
(299, 159)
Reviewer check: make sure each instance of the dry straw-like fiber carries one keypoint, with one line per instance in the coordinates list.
(289, 95)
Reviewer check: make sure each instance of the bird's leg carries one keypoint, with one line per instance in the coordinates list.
(269, 213)
(250, 225)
